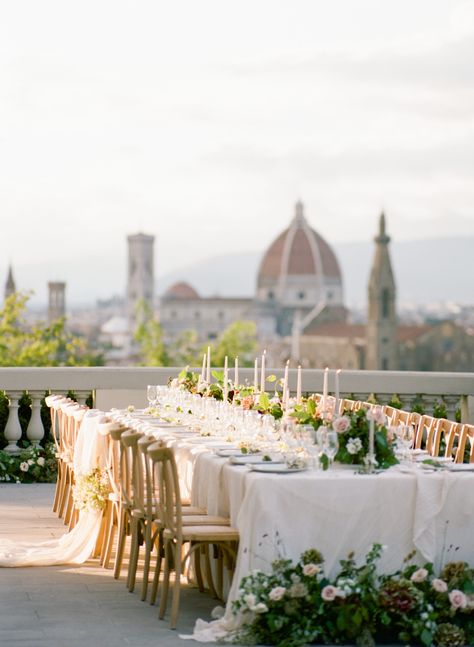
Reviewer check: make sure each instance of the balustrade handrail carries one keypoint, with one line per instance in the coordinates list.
(455, 389)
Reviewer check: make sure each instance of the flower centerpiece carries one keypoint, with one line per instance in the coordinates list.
(353, 429)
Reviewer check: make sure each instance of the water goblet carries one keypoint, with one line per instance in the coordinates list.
(331, 445)
(405, 437)
(151, 394)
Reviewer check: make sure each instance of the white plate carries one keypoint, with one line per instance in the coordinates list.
(276, 468)
(231, 451)
(461, 467)
(246, 459)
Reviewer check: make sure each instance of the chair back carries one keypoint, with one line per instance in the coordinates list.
(169, 498)
(465, 449)
(128, 480)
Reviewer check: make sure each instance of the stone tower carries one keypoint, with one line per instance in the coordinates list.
(141, 281)
(57, 300)
(382, 318)
(10, 287)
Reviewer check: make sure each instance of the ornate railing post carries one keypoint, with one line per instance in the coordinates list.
(81, 396)
(13, 428)
(35, 430)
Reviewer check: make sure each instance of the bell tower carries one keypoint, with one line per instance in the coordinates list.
(10, 287)
(140, 280)
(382, 317)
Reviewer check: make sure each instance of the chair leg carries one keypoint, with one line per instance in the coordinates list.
(210, 581)
(134, 552)
(156, 577)
(146, 566)
(176, 590)
(166, 579)
(59, 484)
(122, 537)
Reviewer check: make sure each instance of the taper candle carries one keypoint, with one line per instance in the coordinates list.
(285, 382)
(226, 378)
(325, 392)
(336, 392)
(298, 386)
(255, 375)
(236, 372)
(208, 374)
(262, 372)
(203, 370)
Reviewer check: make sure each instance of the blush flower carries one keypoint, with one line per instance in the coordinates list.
(458, 599)
(439, 586)
(419, 576)
(277, 593)
(41, 461)
(250, 600)
(311, 569)
(341, 424)
(260, 608)
(24, 466)
(377, 415)
(298, 590)
(329, 593)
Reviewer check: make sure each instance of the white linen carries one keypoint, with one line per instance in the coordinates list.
(76, 546)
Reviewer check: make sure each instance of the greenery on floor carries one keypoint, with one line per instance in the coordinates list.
(297, 604)
(32, 465)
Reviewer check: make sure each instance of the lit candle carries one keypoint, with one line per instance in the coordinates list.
(336, 404)
(298, 386)
(285, 380)
(236, 372)
(371, 443)
(226, 379)
(255, 376)
(208, 375)
(325, 392)
(262, 373)
(203, 371)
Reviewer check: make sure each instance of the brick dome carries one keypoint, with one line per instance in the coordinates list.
(181, 290)
(299, 256)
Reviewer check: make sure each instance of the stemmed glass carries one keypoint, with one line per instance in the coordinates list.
(405, 437)
(331, 445)
(151, 394)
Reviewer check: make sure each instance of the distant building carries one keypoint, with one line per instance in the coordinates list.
(56, 300)
(183, 309)
(140, 275)
(10, 287)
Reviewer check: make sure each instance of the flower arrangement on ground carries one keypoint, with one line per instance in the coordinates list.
(91, 490)
(34, 464)
(297, 604)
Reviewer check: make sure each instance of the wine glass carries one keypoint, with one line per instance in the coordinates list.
(151, 394)
(405, 437)
(331, 445)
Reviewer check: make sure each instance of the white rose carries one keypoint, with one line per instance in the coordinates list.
(420, 575)
(439, 585)
(354, 445)
(298, 590)
(250, 600)
(41, 461)
(260, 608)
(24, 467)
(31, 461)
(329, 593)
(277, 593)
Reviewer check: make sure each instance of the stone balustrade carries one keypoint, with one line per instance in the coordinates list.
(111, 386)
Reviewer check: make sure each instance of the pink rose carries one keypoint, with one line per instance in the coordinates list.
(420, 575)
(277, 593)
(311, 569)
(329, 593)
(458, 599)
(247, 402)
(439, 585)
(377, 415)
(341, 424)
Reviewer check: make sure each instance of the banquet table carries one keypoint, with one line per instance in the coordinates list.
(336, 512)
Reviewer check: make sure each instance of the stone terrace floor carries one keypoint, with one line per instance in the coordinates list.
(71, 606)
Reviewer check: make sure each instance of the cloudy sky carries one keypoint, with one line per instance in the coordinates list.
(202, 122)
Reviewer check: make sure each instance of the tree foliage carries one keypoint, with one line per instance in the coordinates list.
(25, 344)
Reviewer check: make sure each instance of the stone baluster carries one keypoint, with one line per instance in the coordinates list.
(35, 430)
(408, 401)
(452, 403)
(13, 431)
(81, 396)
(429, 402)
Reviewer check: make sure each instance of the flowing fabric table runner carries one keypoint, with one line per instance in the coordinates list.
(76, 546)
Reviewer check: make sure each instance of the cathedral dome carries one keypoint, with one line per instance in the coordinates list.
(299, 268)
(181, 290)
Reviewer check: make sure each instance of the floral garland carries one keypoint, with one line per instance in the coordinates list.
(297, 604)
(34, 464)
(91, 491)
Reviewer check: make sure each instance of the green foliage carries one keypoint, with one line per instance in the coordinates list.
(296, 604)
(395, 402)
(149, 336)
(23, 344)
(32, 465)
(239, 339)
(440, 410)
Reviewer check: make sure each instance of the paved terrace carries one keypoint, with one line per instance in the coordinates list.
(69, 606)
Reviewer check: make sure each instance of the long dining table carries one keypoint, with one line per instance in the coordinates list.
(280, 515)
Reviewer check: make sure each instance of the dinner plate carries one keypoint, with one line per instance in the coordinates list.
(276, 468)
(461, 467)
(246, 459)
(229, 451)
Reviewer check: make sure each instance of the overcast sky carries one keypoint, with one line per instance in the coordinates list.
(202, 122)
